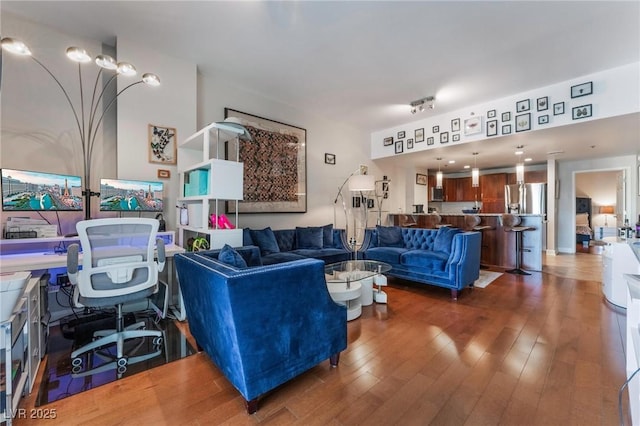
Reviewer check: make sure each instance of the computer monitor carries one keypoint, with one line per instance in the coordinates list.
(24, 190)
(120, 195)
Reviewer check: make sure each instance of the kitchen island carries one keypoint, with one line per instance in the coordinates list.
(498, 246)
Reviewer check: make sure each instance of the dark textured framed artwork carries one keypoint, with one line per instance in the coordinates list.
(506, 116)
(558, 108)
(388, 141)
(329, 158)
(523, 122)
(580, 112)
(430, 140)
(455, 125)
(543, 119)
(492, 127)
(399, 147)
(275, 166)
(506, 129)
(444, 137)
(419, 135)
(583, 89)
(523, 105)
(542, 104)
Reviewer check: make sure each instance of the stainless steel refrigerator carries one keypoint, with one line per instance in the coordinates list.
(527, 198)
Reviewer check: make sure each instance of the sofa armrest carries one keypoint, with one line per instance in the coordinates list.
(464, 261)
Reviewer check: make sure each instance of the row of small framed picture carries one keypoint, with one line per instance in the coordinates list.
(522, 121)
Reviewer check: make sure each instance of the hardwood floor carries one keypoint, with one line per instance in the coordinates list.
(544, 349)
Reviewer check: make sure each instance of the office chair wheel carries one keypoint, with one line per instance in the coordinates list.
(122, 362)
(157, 341)
(76, 369)
(122, 369)
(76, 362)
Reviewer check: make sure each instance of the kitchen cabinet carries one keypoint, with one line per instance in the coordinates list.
(492, 192)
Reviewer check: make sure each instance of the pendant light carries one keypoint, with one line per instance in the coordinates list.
(519, 165)
(475, 173)
(439, 175)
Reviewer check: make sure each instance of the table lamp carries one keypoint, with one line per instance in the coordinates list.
(606, 210)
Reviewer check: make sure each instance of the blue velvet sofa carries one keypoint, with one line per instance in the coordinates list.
(444, 257)
(284, 245)
(261, 325)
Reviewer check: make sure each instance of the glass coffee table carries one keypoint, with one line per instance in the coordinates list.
(351, 284)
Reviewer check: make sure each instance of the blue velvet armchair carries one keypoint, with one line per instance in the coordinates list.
(261, 325)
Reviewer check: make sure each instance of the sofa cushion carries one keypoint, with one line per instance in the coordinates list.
(425, 259)
(231, 257)
(390, 236)
(385, 254)
(266, 240)
(311, 237)
(327, 236)
(444, 239)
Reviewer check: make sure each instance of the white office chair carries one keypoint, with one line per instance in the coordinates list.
(118, 266)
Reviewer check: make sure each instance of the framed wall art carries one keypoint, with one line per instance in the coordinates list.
(409, 143)
(388, 141)
(506, 129)
(162, 144)
(583, 89)
(419, 135)
(444, 137)
(558, 108)
(164, 174)
(522, 105)
(421, 179)
(473, 126)
(435, 129)
(506, 116)
(543, 119)
(401, 134)
(275, 166)
(455, 137)
(491, 113)
(523, 122)
(329, 158)
(399, 147)
(580, 112)
(492, 127)
(430, 140)
(542, 104)
(455, 125)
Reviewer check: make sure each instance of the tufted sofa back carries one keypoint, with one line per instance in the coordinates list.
(413, 238)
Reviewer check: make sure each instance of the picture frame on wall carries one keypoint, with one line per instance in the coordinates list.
(491, 113)
(388, 141)
(430, 140)
(329, 158)
(506, 129)
(580, 112)
(455, 137)
(558, 108)
(444, 137)
(399, 147)
(582, 89)
(419, 135)
(409, 143)
(543, 119)
(401, 134)
(506, 116)
(435, 129)
(455, 125)
(472, 126)
(542, 104)
(284, 146)
(523, 105)
(421, 179)
(163, 144)
(164, 174)
(523, 122)
(492, 128)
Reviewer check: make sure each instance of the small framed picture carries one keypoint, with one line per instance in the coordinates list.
(506, 129)
(162, 144)
(401, 135)
(399, 147)
(473, 126)
(492, 127)
(543, 119)
(370, 203)
(583, 89)
(523, 105)
(444, 137)
(580, 112)
(409, 143)
(491, 113)
(388, 141)
(542, 104)
(419, 135)
(523, 122)
(558, 108)
(455, 137)
(329, 158)
(435, 129)
(506, 116)
(430, 140)
(164, 174)
(455, 125)
(421, 179)
(355, 202)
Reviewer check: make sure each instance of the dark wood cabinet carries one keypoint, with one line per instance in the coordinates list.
(450, 189)
(492, 192)
(465, 190)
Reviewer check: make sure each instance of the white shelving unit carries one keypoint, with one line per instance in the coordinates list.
(202, 152)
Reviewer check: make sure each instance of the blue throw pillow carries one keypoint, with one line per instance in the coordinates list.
(444, 239)
(309, 238)
(266, 240)
(229, 256)
(390, 236)
(327, 236)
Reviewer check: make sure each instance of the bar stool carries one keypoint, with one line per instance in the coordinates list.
(473, 222)
(511, 223)
(406, 221)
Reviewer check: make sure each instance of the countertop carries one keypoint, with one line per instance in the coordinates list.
(462, 214)
(634, 243)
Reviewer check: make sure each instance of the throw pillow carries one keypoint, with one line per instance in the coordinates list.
(327, 236)
(229, 256)
(309, 238)
(390, 236)
(444, 239)
(266, 240)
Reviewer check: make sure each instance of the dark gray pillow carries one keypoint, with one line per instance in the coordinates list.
(390, 236)
(228, 255)
(327, 236)
(266, 240)
(444, 239)
(310, 237)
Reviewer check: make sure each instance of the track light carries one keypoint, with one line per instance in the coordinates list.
(419, 105)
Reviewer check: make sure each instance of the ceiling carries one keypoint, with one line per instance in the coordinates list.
(362, 62)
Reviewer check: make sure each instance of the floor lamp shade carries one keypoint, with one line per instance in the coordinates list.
(362, 183)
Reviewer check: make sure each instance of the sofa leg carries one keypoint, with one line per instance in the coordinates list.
(454, 294)
(252, 405)
(334, 359)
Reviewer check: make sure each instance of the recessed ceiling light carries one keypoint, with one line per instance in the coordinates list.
(452, 161)
(519, 152)
(466, 166)
(527, 159)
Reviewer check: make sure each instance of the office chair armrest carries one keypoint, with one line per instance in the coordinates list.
(161, 254)
(72, 263)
